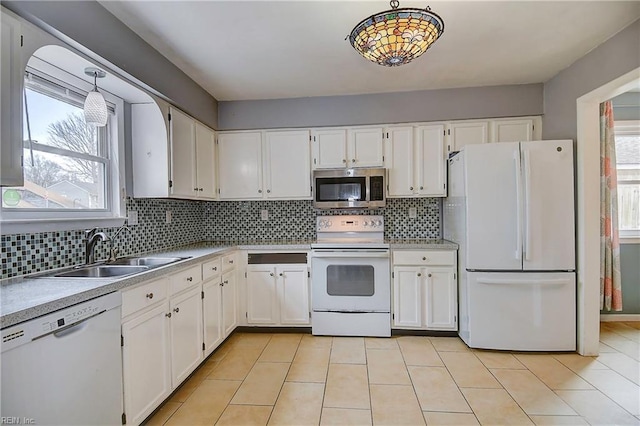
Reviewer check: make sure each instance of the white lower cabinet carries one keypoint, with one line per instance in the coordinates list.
(425, 291)
(277, 295)
(186, 334)
(169, 326)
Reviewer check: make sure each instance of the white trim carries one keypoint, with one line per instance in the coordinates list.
(629, 240)
(31, 226)
(619, 317)
(587, 208)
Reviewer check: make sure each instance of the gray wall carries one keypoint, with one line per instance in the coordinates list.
(96, 29)
(612, 59)
(425, 105)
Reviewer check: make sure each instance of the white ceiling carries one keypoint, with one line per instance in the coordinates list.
(238, 50)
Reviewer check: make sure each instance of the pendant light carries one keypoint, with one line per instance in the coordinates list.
(95, 107)
(397, 36)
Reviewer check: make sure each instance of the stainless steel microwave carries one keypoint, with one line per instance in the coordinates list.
(349, 188)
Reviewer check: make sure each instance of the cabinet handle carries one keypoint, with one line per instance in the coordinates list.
(271, 274)
(259, 191)
(168, 315)
(149, 295)
(176, 310)
(281, 274)
(268, 191)
(221, 284)
(344, 161)
(226, 281)
(231, 262)
(424, 258)
(215, 268)
(195, 189)
(429, 275)
(200, 189)
(189, 279)
(353, 160)
(421, 188)
(411, 188)
(419, 274)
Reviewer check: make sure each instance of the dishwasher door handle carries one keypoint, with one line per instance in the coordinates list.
(71, 328)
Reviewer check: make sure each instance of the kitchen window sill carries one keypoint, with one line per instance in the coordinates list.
(8, 227)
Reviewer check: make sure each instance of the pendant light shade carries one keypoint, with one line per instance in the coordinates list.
(397, 36)
(95, 107)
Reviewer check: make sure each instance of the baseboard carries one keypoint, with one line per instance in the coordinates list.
(619, 317)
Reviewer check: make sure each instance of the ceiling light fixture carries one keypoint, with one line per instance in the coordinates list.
(396, 36)
(95, 107)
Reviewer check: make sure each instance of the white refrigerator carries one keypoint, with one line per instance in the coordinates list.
(511, 210)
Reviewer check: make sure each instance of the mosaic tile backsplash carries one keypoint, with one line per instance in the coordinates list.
(193, 221)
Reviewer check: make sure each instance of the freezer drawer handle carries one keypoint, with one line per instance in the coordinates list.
(525, 282)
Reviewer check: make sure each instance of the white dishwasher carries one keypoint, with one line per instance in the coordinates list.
(65, 368)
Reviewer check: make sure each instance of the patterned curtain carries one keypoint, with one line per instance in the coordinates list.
(610, 284)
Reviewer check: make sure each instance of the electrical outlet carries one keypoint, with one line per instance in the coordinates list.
(413, 212)
(264, 214)
(168, 216)
(132, 218)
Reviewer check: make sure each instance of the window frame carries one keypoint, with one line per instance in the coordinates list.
(42, 220)
(628, 128)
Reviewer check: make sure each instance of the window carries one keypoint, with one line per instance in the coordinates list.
(627, 135)
(71, 170)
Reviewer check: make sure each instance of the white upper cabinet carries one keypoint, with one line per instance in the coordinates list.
(365, 147)
(431, 168)
(514, 130)
(353, 147)
(205, 162)
(240, 165)
(276, 166)
(11, 104)
(288, 164)
(183, 154)
(329, 148)
(463, 133)
(173, 154)
(415, 161)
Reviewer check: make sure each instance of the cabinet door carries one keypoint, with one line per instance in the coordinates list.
(186, 334)
(293, 287)
(441, 299)
(431, 161)
(399, 161)
(512, 130)
(205, 162)
(240, 165)
(11, 84)
(365, 148)
(146, 363)
(329, 148)
(407, 296)
(229, 307)
(467, 132)
(288, 167)
(212, 315)
(262, 302)
(183, 167)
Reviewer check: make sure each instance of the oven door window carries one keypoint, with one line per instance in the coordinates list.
(341, 189)
(350, 280)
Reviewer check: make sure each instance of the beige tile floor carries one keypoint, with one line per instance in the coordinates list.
(299, 379)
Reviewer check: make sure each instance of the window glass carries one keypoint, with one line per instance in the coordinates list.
(628, 169)
(66, 164)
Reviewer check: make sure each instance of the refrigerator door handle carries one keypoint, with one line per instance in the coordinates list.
(498, 281)
(516, 162)
(527, 190)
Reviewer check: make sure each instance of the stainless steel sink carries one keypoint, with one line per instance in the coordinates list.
(146, 261)
(101, 271)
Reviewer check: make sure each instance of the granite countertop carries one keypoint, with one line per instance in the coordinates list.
(29, 296)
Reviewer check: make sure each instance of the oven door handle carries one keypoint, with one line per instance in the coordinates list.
(351, 253)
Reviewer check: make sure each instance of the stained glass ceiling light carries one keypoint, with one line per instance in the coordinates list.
(396, 36)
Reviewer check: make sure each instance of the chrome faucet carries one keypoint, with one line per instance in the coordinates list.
(92, 238)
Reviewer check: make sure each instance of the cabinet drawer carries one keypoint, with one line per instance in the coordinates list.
(228, 262)
(185, 279)
(145, 295)
(211, 268)
(424, 257)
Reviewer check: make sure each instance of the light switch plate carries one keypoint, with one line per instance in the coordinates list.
(264, 214)
(168, 217)
(132, 218)
(413, 212)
